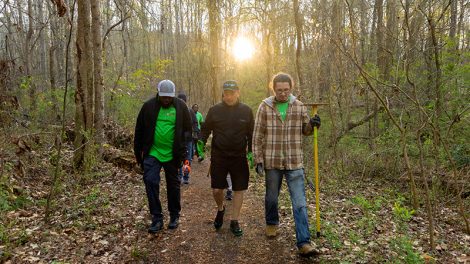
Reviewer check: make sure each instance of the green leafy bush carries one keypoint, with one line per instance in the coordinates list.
(402, 212)
(406, 253)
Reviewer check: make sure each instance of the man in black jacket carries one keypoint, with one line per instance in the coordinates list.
(162, 129)
(231, 124)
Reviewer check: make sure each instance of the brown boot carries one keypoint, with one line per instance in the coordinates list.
(308, 250)
(271, 231)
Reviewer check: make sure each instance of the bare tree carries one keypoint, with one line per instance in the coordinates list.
(84, 89)
(97, 72)
(214, 31)
(298, 49)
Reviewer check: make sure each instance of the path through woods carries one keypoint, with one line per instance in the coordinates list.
(108, 224)
(105, 220)
(196, 241)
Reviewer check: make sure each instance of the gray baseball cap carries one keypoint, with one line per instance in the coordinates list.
(166, 88)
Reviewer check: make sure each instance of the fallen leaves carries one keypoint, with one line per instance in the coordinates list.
(108, 225)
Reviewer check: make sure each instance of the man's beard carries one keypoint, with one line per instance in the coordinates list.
(280, 101)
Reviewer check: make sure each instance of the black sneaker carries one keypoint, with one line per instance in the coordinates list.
(219, 219)
(173, 223)
(155, 227)
(200, 159)
(235, 228)
(229, 195)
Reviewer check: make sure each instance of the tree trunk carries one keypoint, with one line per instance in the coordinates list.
(298, 34)
(269, 60)
(436, 75)
(214, 44)
(83, 108)
(52, 79)
(42, 39)
(363, 24)
(390, 39)
(53, 63)
(453, 19)
(429, 212)
(381, 57)
(27, 57)
(98, 69)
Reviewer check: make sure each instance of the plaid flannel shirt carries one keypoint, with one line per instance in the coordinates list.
(276, 143)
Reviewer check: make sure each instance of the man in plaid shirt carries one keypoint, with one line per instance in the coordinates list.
(280, 123)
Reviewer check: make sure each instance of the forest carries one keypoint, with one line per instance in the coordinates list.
(392, 78)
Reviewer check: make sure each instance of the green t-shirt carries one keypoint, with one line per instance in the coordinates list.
(282, 108)
(162, 148)
(200, 119)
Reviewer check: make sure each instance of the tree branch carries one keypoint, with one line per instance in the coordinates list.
(113, 26)
(351, 125)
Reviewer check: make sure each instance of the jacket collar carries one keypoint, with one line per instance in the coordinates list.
(226, 105)
(271, 100)
(174, 103)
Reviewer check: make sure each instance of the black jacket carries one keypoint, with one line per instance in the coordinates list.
(231, 127)
(145, 129)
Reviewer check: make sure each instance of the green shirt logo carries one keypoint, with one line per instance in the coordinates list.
(282, 108)
(162, 148)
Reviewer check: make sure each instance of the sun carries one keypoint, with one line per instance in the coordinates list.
(242, 48)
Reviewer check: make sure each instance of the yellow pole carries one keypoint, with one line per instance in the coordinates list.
(317, 180)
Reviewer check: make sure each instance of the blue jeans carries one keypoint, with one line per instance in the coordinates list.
(189, 157)
(295, 183)
(152, 168)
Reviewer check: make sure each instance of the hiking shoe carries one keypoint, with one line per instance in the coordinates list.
(155, 227)
(174, 221)
(271, 231)
(308, 250)
(219, 219)
(229, 195)
(235, 228)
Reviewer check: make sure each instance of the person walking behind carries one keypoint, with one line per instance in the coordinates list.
(231, 124)
(163, 127)
(200, 121)
(280, 122)
(185, 170)
(229, 193)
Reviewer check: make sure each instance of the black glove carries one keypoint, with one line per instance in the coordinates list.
(260, 169)
(315, 121)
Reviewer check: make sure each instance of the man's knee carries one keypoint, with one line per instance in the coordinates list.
(238, 193)
(298, 201)
(218, 191)
(151, 178)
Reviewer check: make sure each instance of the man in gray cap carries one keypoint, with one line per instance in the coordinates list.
(162, 129)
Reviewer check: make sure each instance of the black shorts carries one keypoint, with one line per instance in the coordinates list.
(236, 166)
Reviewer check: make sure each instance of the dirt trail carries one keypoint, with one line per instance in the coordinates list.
(104, 219)
(196, 241)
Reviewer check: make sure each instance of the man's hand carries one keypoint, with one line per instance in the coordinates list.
(249, 157)
(186, 167)
(200, 149)
(194, 135)
(139, 159)
(315, 121)
(260, 169)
